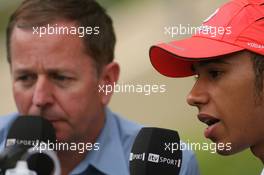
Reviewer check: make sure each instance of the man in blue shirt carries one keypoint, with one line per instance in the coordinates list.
(116, 140)
(61, 59)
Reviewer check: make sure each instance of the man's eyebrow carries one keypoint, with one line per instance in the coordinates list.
(208, 62)
(50, 71)
(22, 71)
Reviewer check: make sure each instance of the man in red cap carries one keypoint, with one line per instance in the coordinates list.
(229, 65)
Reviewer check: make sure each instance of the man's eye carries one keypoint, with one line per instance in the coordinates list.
(25, 78)
(214, 73)
(61, 77)
(62, 80)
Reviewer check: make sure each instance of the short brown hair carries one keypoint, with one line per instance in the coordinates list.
(84, 12)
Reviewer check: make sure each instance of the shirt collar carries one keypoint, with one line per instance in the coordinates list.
(110, 158)
(5, 125)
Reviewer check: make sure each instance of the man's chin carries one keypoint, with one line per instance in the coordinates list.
(61, 133)
(225, 152)
(230, 150)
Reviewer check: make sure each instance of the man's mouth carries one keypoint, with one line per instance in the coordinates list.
(208, 119)
(212, 122)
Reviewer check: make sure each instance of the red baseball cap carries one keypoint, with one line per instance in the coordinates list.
(237, 25)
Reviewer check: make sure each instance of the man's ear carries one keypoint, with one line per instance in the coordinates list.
(108, 78)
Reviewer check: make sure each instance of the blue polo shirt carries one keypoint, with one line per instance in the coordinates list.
(116, 140)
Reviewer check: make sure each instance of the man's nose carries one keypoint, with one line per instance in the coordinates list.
(43, 94)
(198, 96)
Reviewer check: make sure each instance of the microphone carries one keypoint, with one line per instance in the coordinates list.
(27, 131)
(24, 136)
(156, 151)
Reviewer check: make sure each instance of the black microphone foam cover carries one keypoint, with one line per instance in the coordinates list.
(30, 130)
(27, 132)
(153, 153)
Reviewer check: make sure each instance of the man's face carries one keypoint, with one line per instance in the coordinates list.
(225, 96)
(54, 77)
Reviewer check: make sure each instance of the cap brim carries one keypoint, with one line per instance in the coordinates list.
(176, 58)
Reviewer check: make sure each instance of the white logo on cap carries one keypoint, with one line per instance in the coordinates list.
(211, 16)
(255, 45)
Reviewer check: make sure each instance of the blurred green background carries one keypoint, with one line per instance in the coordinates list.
(139, 24)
